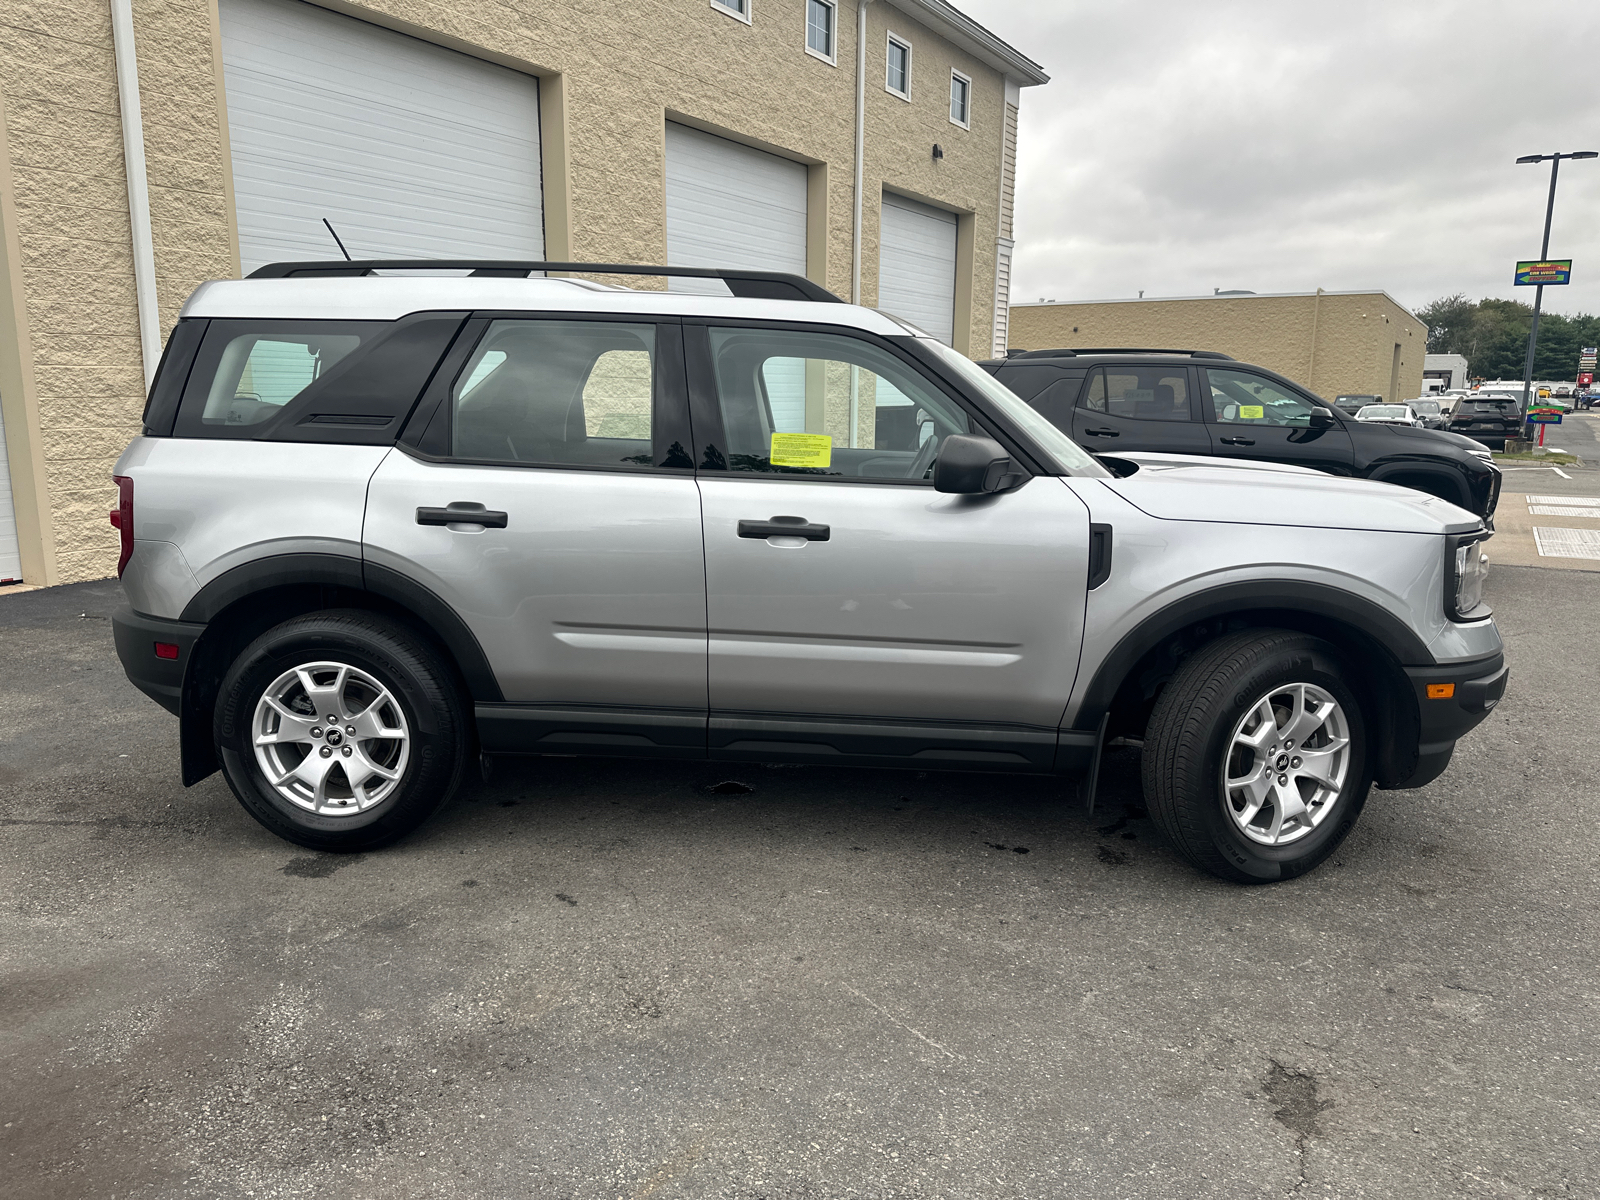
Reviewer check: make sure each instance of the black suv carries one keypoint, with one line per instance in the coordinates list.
(1486, 418)
(1202, 402)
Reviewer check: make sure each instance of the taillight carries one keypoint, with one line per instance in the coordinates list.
(122, 520)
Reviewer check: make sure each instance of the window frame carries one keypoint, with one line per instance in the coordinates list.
(894, 39)
(739, 10)
(832, 56)
(428, 434)
(706, 409)
(966, 82)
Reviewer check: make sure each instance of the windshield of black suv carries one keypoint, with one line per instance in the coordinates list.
(1068, 457)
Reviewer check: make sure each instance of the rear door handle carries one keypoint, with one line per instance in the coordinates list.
(1238, 441)
(784, 527)
(462, 512)
(1103, 432)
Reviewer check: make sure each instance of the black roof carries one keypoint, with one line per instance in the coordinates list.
(1084, 351)
(747, 285)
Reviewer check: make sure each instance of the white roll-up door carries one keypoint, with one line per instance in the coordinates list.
(10, 554)
(409, 149)
(729, 205)
(917, 265)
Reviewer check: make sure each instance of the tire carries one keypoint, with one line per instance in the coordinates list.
(393, 760)
(1216, 703)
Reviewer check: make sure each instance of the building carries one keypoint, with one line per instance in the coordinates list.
(147, 145)
(1441, 372)
(1334, 343)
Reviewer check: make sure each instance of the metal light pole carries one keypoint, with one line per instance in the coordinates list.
(1544, 253)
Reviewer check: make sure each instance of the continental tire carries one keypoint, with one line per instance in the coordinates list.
(1255, 761)
(340, 730)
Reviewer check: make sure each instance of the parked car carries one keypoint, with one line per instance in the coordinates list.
(1202, 402)
(1390, 414)
(376, 527)
(1487, 418)
(1351, 405)
(1431, 411)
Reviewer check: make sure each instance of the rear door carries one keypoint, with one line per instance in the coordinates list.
(550, 502)
(1140, 407)
(1258, 418)
(852, 609)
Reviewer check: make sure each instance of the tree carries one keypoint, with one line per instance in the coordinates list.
(1493, 337)
(1449, 322)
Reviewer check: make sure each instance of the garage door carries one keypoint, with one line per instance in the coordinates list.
(411, 150)
(917, 265)
(733, 206)
(10, 557)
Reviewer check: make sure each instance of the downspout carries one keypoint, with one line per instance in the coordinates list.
(1311, 367)
(861, 147)
(144, 254)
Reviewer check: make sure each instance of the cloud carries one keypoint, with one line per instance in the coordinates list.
(1183, 147)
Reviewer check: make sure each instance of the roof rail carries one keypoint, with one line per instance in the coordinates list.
(747, 285)
(1075, 352)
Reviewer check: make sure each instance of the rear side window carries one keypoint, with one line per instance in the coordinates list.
(1142, 393)
(247, 372)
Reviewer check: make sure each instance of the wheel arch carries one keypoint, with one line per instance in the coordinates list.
(244, 602)
(1376, 644)
(1400, 473)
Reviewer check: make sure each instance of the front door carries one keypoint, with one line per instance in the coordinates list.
(1147, 407)
(853, 610)
(1257, 418)
(558, 516)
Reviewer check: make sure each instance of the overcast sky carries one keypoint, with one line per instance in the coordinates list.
(1182, 147)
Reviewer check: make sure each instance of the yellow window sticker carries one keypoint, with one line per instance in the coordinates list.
(801, 450)
(1253, 412)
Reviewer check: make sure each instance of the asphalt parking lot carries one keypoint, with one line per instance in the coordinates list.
(599, 979)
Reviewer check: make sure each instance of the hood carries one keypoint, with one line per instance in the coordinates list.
(1154, 458)
(1179, 488)
(1436, 437)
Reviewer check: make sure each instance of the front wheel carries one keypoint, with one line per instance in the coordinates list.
(340, 731)
(1255, 761)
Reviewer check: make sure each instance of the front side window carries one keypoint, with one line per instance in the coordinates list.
(246, 372)
(822, 404)
(960, 99)
(819, 28)
(897, 78)
(1241, 398)
(569, 393)
(1139, 393)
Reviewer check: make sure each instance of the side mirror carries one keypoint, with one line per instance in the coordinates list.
(1321, 418)
(971, 465)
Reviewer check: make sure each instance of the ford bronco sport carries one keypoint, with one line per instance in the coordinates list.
(378, 526)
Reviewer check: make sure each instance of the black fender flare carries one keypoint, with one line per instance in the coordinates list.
(1385, 472)
(1314, 600)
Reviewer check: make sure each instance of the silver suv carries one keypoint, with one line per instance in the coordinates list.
(379, 526)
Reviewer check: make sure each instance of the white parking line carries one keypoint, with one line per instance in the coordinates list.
(1588, 501)
(1562, 510)
(1567, 543)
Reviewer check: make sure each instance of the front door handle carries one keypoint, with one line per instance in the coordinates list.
(784, 527)
(1238, 441)
(462, 512)
(1103, 432)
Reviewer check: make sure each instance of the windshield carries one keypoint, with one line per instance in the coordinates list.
(1427, 408)
(1382, 412)
(1068, 457)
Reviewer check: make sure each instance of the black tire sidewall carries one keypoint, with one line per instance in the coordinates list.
(415, 678)
(1314, 663)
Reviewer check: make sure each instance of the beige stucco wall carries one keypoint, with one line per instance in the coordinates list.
(1333, 343)
(611, 77)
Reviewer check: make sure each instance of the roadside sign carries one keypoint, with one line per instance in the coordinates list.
(1585, 378)
(1548, 271)
(1544, 418)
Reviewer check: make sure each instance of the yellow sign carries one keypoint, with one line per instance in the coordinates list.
(801, 450)
(1253, 412)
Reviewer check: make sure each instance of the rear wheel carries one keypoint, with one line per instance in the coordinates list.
(1255, 761)
(340, 731)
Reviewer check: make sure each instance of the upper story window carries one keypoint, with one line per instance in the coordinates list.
(821, 24)
(897, 75)
(734, 8)
(960, 100)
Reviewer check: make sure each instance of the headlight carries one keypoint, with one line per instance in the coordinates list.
(1466, 567)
